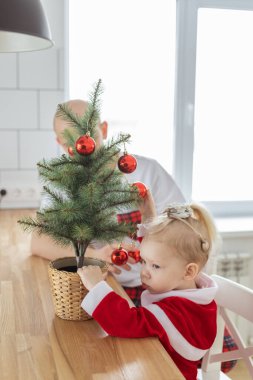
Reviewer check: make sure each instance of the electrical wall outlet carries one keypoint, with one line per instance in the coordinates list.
(21, 196)
(3, 192)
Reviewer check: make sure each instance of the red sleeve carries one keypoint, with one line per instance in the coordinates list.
(196, 322)
(118, 319)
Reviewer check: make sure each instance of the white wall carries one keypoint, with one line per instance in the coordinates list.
(31, 86)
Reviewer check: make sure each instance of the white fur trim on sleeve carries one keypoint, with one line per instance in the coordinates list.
(178, 342)
(95, 296)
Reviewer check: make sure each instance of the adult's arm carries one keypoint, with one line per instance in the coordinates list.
(44, 246)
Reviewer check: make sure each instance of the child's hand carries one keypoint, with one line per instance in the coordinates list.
(91, 275)
(147, 207)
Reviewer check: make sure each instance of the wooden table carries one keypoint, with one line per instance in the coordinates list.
(35, 344)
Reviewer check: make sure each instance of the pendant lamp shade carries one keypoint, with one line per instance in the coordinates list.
(23, 26)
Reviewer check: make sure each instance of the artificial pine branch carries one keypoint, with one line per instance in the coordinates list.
(119, 204)
(117, 191)
(70, 136)
(53, 194)
(105, 215)
(92, 114)
(107, 158)
(65, 112)
(63, 160)
(44, 166)
(29, 224)
(120, 139)
(107, 177)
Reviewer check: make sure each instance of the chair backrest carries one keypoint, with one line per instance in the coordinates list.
(238, 299)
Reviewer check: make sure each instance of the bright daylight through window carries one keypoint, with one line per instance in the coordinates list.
(223, 152)
(130, 45)
(213, 104)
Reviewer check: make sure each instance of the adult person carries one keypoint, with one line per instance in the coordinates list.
(149, 171)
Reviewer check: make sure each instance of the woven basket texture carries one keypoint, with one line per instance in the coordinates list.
(68, 290)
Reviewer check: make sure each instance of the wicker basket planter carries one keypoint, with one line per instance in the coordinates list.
(67, 289)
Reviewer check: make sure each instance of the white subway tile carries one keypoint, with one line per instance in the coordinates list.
(8, 72)
(18, 109)
(38, 69)
(48, 105)
(8, 150)
(34, 146)
(21, 177)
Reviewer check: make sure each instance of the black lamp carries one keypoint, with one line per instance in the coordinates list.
(23, 26)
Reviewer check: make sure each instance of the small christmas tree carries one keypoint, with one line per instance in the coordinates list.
(85, 190)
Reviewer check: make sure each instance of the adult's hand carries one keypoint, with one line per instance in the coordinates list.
(104, 252)
(147, 207)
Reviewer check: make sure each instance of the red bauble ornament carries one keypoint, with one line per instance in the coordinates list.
(85, 145)
(127, 163)
(70, 151)
(135, 254)
(141, 188)
(119, 256)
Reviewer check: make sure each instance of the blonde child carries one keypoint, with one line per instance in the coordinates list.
(178, 304)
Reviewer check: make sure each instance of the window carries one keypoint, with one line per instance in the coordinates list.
(130, 45)
(214, 117)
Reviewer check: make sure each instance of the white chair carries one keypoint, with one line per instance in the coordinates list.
(238, 299)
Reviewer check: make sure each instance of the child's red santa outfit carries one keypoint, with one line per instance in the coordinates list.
(183, 320)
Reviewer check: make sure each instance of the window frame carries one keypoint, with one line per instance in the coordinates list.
(185, 75)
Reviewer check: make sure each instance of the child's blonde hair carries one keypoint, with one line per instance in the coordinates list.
(188, 229)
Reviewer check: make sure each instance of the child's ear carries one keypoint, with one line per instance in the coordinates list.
(191, 271)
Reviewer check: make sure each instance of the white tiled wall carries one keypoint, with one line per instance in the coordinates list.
(31, 86)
